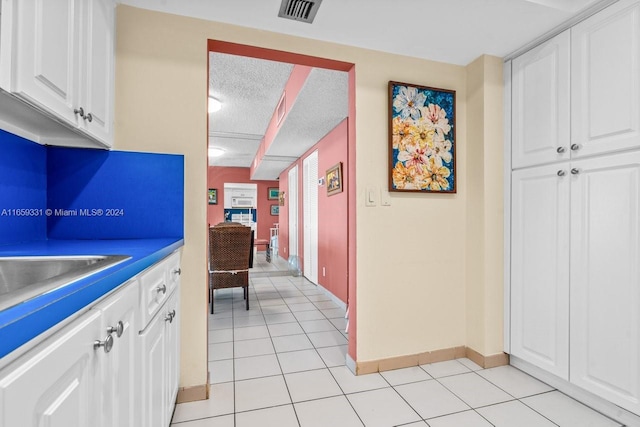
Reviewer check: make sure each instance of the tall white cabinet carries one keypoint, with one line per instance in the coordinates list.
(575, 206)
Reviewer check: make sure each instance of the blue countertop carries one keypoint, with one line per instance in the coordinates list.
(25, 321)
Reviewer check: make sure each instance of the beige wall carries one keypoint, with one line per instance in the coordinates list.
(412, 278)
(484, 283)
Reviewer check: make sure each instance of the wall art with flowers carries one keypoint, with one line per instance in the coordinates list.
(421, 139)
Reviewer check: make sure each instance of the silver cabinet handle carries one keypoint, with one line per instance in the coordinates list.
(118, 329)
(170, 315)
(79, 112)
(107, 344)
(177, 271)
(89, 117)
(560, 150)
(162, 289)
(561, 173)
(575, 147)
(575, 171)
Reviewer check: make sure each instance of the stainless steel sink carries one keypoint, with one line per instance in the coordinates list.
(22, 278)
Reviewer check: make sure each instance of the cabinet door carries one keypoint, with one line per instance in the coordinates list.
(46, 61)
(540, 104)
(540, 267)
(153, 367)
(605, 78)
(605, 278)
(96, 76)
(173, 351)
(55, 385)
(120, 379)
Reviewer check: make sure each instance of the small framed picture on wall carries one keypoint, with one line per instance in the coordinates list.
(213, 196)
(273, 194)
(275, 210)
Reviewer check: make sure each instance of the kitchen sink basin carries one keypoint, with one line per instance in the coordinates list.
(22, 278)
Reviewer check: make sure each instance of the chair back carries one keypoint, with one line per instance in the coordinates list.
(229, 247)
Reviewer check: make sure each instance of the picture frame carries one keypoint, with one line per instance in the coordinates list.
(213, 196)
(281, 198)
(333, 179)
(273, 193)
(275, 210)
(422, 139)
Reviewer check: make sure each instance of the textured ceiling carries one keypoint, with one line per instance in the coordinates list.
(250, 90)
(319, 107)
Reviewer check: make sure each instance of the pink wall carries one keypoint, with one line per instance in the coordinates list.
(218, 176)
(332, 215)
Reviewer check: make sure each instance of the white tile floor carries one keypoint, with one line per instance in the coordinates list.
(282, 364)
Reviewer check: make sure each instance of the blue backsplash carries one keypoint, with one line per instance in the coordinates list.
(97, 194)
(23, 189)
(76, 193)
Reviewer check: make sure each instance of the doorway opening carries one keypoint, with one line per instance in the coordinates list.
(308, 249)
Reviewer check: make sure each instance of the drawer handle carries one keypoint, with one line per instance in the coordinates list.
(170, 315)
(561, 173)
(575, 147)
(107, 344)
(118, 329)
(79, 112)
(177, 271)
(89, 117)
(162, 289)
(575, 171)
(561, 150)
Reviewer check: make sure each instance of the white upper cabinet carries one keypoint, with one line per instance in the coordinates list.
(97, 82)
(540, 267)
(605, 277)
(605, 78)
(58, 56)
(540, 114)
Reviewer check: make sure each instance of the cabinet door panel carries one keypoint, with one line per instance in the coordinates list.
(97, 74)
(605, 290)
(55, 385)
(173, 351)
(119, 376)
(539, 267)
(605, 80)
(153, 366)
(540, 88)
(47, 56)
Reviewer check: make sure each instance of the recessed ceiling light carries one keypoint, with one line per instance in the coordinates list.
(215, 152)
(214, 104)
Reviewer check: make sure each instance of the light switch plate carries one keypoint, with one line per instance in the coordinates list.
(385, 198)
(371, 196)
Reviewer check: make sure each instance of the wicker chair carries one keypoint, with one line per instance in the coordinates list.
(229, 252)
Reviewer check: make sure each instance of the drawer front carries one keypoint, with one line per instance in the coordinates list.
(173, 271)
(155, 291)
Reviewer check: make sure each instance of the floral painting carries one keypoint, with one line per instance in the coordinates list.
(422, 139)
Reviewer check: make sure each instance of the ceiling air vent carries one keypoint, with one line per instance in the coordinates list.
(299, 10)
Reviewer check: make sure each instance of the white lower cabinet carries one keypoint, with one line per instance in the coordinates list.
(160, 344)
(540, 267)
(605, 278)
(102, 369)
(575, 275)
(55, 384)
(119, 319)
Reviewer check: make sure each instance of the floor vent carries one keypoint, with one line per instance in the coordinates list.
(299, 10)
